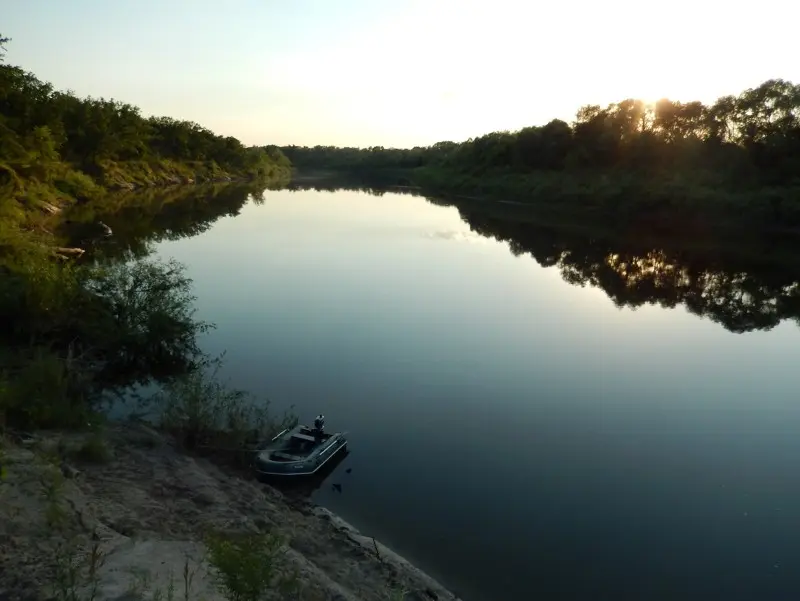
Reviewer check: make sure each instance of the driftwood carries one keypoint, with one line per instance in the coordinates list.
(66, 253)
(50, 208)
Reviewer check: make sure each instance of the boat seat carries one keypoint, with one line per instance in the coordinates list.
(287, 456)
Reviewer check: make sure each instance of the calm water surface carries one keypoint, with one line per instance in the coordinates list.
(517, 436)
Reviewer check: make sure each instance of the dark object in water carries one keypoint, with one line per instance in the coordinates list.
(337, 487)
(106, 230)
(300, 451)
(348, 470)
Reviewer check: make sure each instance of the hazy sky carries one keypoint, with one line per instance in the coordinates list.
(396, 72)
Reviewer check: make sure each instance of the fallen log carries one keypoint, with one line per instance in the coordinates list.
(66, 252)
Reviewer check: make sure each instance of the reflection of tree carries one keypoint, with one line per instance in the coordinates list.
(742, 285)
(743, 289)
(372, 186)
(332, 187)
(740, 293)
(141, 219)
(741, 140)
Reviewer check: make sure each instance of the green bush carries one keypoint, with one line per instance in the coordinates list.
(248, 567)
(39, 390)
(204, 410)
(94, 449)
(73, 332)
(77, 185)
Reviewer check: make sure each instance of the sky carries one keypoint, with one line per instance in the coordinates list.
(396, 73)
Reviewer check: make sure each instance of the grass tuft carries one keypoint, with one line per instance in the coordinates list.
(205, 412)
(94, 449)
(248, 567)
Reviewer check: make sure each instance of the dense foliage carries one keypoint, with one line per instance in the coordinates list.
(139, 219)
(56, 148)
(73, 331)
(666, 150)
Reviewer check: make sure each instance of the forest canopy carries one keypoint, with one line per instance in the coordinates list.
(57, 147)
(752, 138)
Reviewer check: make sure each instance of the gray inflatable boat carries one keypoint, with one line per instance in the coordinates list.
(300, 451)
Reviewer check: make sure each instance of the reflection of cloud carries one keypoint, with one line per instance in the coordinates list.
(470, 237)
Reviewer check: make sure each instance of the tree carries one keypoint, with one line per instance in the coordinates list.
(3, 41)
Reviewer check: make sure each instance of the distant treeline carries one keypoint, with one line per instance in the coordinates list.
(56, 147)
(750, 141)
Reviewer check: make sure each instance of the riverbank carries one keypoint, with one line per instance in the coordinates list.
(58, 150)
(143, 509)
(669, 201)
(35, 205)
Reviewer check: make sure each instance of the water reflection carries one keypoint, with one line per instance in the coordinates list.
(141, 219)
(743, 284)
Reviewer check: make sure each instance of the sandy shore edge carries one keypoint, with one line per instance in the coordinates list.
(150, 504)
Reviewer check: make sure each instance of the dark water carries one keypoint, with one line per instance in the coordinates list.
(524, 431)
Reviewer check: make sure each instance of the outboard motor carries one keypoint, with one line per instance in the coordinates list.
(319, 423)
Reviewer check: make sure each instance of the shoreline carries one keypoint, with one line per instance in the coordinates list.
(387, 554)
(150, 506)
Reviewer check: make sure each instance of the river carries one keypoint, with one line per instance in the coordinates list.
(532, 415)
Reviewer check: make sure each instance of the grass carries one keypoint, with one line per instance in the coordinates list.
(41, 389)
(204, 412)
(243, 567)
(55, 515)
(77, 574)
(94, 449)
(248, 567)
(141, 583)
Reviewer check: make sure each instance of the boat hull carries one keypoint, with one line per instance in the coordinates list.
(266, 467)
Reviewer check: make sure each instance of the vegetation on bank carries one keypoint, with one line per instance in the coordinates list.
(739, 155)
(75, 331)
(58, 149)
(142, 218)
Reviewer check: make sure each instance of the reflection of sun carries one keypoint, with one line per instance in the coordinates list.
(652, 266)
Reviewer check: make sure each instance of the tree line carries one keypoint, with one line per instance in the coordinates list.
(70, 145)
(75, 330)
(752, 138)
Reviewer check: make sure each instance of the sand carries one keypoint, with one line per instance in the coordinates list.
(146, 512)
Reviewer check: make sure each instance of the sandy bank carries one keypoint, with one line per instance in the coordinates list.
(147, 510)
